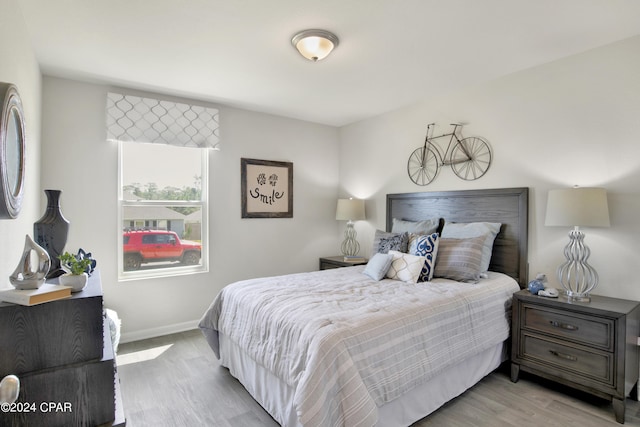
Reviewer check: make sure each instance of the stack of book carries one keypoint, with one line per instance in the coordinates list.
(355, 258)
(45, 293)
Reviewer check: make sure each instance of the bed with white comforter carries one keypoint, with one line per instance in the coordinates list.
(343, 345)
(335, 348)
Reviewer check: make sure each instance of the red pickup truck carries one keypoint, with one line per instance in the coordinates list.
(146, 246)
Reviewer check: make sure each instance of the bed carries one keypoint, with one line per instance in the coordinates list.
(338, 348)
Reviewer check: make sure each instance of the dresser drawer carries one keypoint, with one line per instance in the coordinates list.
(590, 331)
(591, 364)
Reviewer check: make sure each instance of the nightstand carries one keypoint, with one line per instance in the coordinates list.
(337, 262)
(592, 346)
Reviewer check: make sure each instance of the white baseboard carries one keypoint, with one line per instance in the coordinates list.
(157, 332)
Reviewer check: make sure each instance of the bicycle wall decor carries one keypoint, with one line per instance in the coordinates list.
(469, 157)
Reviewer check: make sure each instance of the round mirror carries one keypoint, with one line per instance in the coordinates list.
(12, 145)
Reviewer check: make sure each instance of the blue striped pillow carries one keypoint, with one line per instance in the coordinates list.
(426, 246)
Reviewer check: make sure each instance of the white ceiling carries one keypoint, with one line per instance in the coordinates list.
(392, 53)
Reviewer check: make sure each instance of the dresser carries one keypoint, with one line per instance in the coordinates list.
(61, 351)
(592, 346)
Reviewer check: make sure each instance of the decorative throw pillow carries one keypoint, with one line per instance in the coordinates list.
(489, 230)
(405, 267)
(427, 226)
(426, 246)
(459, 259)
(384, 242)
(378, 266)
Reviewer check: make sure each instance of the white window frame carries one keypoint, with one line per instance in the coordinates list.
(203, 204)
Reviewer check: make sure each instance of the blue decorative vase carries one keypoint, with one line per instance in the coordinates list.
(535, 286)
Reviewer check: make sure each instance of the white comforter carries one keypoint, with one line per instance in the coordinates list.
(348, 344)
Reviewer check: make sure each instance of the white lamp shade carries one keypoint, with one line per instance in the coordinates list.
(350, 210)
(584, 207)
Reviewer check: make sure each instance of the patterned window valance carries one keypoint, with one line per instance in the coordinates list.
(133, 118)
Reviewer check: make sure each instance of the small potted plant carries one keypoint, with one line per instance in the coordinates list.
(76, 271)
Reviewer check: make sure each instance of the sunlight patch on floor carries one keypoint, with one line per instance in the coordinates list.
(142, 355)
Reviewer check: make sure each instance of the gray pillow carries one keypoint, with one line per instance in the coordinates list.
(427, 226)
(384, 242)
(378, 266)
(488, 230)
(459, 259)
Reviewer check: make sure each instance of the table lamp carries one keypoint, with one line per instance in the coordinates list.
(350, 210)
(577, 207)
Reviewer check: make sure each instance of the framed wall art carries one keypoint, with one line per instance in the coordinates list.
(266, 188)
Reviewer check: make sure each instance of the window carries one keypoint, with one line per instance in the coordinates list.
(163, 207)
(163, 169)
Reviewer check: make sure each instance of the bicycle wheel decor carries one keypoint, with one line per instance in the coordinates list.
(471, 158)
(423, 165)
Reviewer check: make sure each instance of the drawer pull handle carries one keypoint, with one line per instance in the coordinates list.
(563, 356)
(566, 326)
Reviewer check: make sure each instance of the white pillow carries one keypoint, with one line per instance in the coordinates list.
(378, 266)
(460, 230)
(405, 267)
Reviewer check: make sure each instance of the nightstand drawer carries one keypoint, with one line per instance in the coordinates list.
(585, 330)
(337, 262)
(328, 265)
(591, 364)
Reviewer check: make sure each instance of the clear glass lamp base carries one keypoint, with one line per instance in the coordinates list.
(577, 297)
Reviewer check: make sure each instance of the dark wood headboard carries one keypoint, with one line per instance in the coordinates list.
(509, 206)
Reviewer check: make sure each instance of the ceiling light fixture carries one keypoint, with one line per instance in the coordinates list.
(315, 44)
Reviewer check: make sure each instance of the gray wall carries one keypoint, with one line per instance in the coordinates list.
(74, 142)
(575, 121)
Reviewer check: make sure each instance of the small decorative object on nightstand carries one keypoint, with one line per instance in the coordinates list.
(588, 346)
(338, 261)
(535, 286)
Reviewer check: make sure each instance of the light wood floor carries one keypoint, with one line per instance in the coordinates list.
(176, 381)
